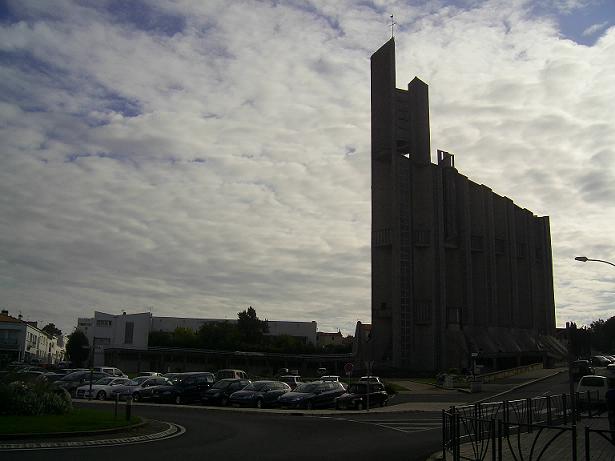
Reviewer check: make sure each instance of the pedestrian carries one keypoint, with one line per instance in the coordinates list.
(610, 406)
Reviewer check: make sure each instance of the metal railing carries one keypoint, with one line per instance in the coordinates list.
(520, 430)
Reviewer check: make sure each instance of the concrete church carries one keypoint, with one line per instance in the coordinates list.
(457, 270)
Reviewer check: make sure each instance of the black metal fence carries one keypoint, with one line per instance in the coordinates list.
(522, 430)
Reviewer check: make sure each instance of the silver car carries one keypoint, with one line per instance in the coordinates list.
(101, 389)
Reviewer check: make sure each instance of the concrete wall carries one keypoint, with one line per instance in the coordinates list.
(452, 261)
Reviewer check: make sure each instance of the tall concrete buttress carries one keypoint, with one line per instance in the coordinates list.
(456, 268)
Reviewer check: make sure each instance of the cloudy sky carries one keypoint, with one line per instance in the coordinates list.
(193, 158)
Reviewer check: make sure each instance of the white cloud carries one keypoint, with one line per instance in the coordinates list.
(197, 162)
(591, 30)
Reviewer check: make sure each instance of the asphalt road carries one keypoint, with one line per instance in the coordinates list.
(233, 435)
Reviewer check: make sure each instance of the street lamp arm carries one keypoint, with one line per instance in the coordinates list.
(585, 259)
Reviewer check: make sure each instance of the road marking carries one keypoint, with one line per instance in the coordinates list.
(400, 425)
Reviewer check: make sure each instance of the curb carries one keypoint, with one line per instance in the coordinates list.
(53, 435)
(172, 430)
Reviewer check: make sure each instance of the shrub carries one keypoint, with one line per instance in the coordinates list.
(33, 399)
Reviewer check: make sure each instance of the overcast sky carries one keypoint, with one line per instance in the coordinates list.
(193, 158)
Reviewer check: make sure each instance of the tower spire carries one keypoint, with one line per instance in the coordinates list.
(393, 23)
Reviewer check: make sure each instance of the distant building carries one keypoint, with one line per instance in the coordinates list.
(131, 331)
(456, 268)
(24, 342)
(324, 339)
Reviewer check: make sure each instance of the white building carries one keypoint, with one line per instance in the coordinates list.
(131, 331)
(127, 331)
(24, 342)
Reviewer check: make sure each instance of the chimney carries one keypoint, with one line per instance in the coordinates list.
(20, 316)
(5, 312)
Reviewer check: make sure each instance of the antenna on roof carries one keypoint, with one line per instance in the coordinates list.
(393, 23)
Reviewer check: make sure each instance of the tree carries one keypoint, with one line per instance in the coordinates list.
(77, 347)
(52, 330)
(219, 335)
(251, 328)
(603, 334)
(184, 337)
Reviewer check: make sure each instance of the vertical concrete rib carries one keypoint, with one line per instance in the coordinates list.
(419, 121)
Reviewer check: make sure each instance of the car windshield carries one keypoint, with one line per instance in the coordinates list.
(256, 386)
(307, 387)
(104, 381)
(221, 385)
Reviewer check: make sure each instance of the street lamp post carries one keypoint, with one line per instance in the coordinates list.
(584, 259)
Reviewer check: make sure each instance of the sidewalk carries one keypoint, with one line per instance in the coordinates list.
(556, 443)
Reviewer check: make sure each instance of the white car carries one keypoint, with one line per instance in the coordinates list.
(330, 378)
(101, 389)
(370, 379)
(597, 387)
(111, 371)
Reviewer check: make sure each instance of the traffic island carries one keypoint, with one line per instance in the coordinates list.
(77, 421)
(142, 432)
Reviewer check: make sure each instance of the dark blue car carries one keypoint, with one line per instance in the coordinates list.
(317, 394)
(259, 394)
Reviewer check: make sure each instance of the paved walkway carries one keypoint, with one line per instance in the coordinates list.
(556, 443)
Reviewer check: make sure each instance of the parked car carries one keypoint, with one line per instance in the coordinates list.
(357, 393)
(231, 373)
(581, 368)
(220, 392)
(292, 380)
(101, 389)
(150, 373)
(599, 361)
(259, 394)
(370, 379)
(333, 378)
(183, 388)
(139, 387)
(317, 394)
(53, 377)
(592, 389)
(73, 380)
(111, 371)
(28, 377)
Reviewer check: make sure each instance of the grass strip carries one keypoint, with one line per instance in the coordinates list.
(80, 419)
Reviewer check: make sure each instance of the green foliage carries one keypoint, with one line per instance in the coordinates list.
(160, 339)
(219, 336)
(77, 347)
(251, 328)
(603, 335)
(33, 399)
(185, 337)
(52, 330)
(80, 419)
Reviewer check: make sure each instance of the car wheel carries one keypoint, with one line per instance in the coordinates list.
(259, 403)
(135, 397)
(309, 406)
(101, 395)
(178, 400)
(359, 406)
(224, 401)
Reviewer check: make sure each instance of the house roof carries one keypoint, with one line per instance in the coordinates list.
(9, 319)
